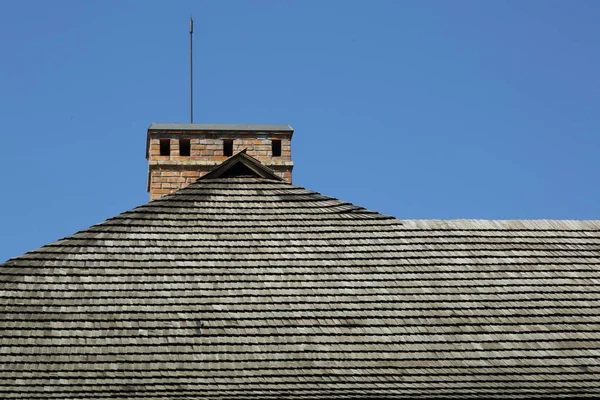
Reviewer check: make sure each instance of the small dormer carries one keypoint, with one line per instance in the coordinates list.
(178, 154)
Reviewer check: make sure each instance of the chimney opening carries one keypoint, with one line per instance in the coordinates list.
(228, 147)
(276, 147)
(165, 147)
(184, 147)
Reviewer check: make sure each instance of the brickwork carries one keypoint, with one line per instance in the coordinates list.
(168, 173)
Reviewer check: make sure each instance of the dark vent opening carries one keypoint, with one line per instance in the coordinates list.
(228, 147)
(184, 147)
(165, 147)
(276, 147)
(239, 170)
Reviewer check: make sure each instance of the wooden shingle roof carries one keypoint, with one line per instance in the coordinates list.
(254, 288)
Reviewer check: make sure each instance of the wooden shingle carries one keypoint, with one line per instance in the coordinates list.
(253, 288)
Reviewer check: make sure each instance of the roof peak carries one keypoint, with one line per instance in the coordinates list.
(241, 164)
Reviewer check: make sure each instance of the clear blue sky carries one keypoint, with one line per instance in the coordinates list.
(417, 109)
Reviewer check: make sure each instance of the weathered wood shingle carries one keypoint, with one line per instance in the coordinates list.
(254, 288)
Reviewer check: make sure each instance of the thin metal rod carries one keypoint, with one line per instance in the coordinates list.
(191, 74)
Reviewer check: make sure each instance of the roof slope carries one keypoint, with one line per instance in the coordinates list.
(254, 288)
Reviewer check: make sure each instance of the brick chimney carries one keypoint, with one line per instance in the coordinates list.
(178, 154)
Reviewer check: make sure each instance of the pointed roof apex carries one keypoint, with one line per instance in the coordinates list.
(241, 164)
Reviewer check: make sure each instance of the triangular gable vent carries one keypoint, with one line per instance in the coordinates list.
(241, 165)
(239, 170)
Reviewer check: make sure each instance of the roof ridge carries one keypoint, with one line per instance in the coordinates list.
(504, 224)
